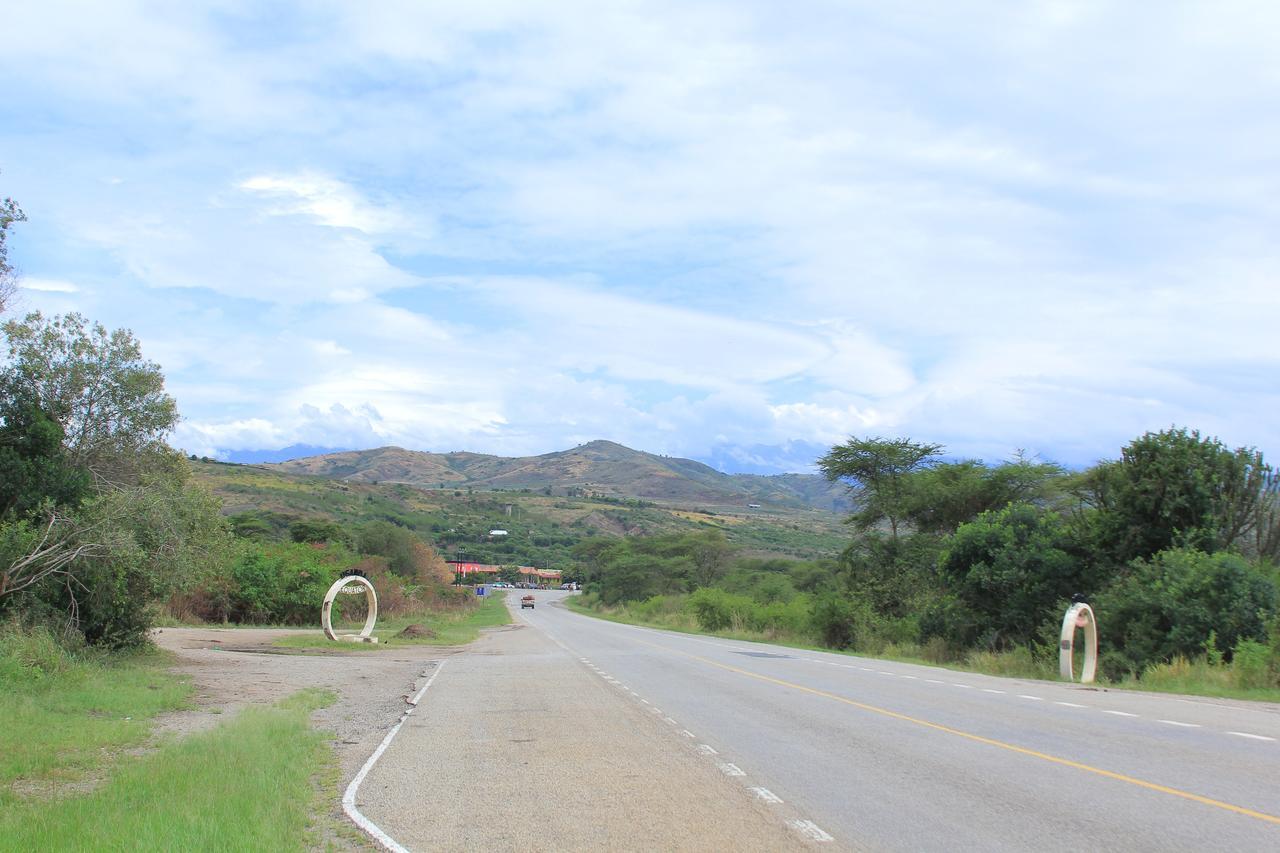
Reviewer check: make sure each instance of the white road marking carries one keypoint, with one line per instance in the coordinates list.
(731, 770)
(766, 795)
(687, 733)
(934, 681)
(1254, 737)
(669, 721)
(653, 710)
(809, 829)
(707, 749)
(645, 701)
(1032, 698)
(1120, 713)
(349, 796)
(912, 677)
(885, 672)
(1183, 725)
(989, 690)
(965, 686)
(1070, 705)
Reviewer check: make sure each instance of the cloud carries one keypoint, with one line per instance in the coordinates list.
(694, 227)
(48, 285)
(328, 201)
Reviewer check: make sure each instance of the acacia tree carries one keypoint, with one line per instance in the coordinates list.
(876, 471)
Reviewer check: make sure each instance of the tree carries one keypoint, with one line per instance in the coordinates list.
(10, 214)
(940, 498)
(34, 473)
(109, 400)
(1006, 571)
(1174, 489)
(878, 468)
(1171, 604)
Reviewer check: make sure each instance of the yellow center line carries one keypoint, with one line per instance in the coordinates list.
(1065, 762)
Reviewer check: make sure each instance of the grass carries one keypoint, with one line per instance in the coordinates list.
(1193, 678)
(451, 629)
(66, 715)
(249, 784)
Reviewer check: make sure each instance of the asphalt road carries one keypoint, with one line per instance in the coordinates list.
(778, 747)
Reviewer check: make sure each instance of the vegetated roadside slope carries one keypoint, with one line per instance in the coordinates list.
(599, 467)
(542, 529)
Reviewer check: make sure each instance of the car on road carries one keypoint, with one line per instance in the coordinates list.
(527, 601)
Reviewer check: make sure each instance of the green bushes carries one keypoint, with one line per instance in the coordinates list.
(1170, 606)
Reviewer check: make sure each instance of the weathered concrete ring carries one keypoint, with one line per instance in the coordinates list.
(326, 616)
(1078, 616)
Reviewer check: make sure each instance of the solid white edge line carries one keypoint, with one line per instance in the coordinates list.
(349, 797)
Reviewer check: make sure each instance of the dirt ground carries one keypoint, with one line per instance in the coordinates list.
(235, 667)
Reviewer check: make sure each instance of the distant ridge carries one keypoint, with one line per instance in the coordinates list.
(600, 467)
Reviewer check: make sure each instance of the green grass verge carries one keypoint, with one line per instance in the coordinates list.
(65, 715)
(249, 784)
(451, 629)
(1195, 678)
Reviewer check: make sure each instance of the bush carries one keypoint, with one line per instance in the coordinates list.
(1251, 665)
(840, 622)
(1170, 606)
(717, 610)
(1007, 570)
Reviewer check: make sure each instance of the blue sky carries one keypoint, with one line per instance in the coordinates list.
(736, 231)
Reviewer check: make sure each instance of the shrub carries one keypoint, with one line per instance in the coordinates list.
(1171, 605)
(1251, 665)
(839, 621)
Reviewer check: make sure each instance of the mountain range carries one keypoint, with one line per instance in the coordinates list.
(601, 468)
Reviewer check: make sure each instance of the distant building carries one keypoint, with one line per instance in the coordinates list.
(528, 574)
(497, 533)
(753, 506)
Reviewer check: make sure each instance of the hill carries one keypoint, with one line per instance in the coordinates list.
(598, 468)
(541, 528)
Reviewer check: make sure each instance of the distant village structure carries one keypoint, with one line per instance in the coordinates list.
(528, 574)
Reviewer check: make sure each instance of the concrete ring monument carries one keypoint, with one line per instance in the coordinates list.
(1079, 615)
(341, 585)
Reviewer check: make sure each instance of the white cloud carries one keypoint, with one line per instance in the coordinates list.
(512, 226)
(326, 200)
(48, 285)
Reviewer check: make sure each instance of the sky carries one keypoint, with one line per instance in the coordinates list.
(739, 232)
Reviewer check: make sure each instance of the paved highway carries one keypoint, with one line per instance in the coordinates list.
(826, 750)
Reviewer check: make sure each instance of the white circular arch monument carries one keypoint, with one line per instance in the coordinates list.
(326, 610)
(1078, 615)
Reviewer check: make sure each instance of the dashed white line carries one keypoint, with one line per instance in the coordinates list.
(912, 677)
(707, 749)
(990, 690)
(1120, 713)
(965, 686)
(669, 721)
(934, 681)
(1031, 698)
(1176, 723)
(809, 829)
(688, 733)
(766, 795)
(731, 770)
(1070, 705)
(884, 672)
(1252, 737)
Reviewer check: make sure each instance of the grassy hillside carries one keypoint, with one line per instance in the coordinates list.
(601, 468)
(541, 528)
